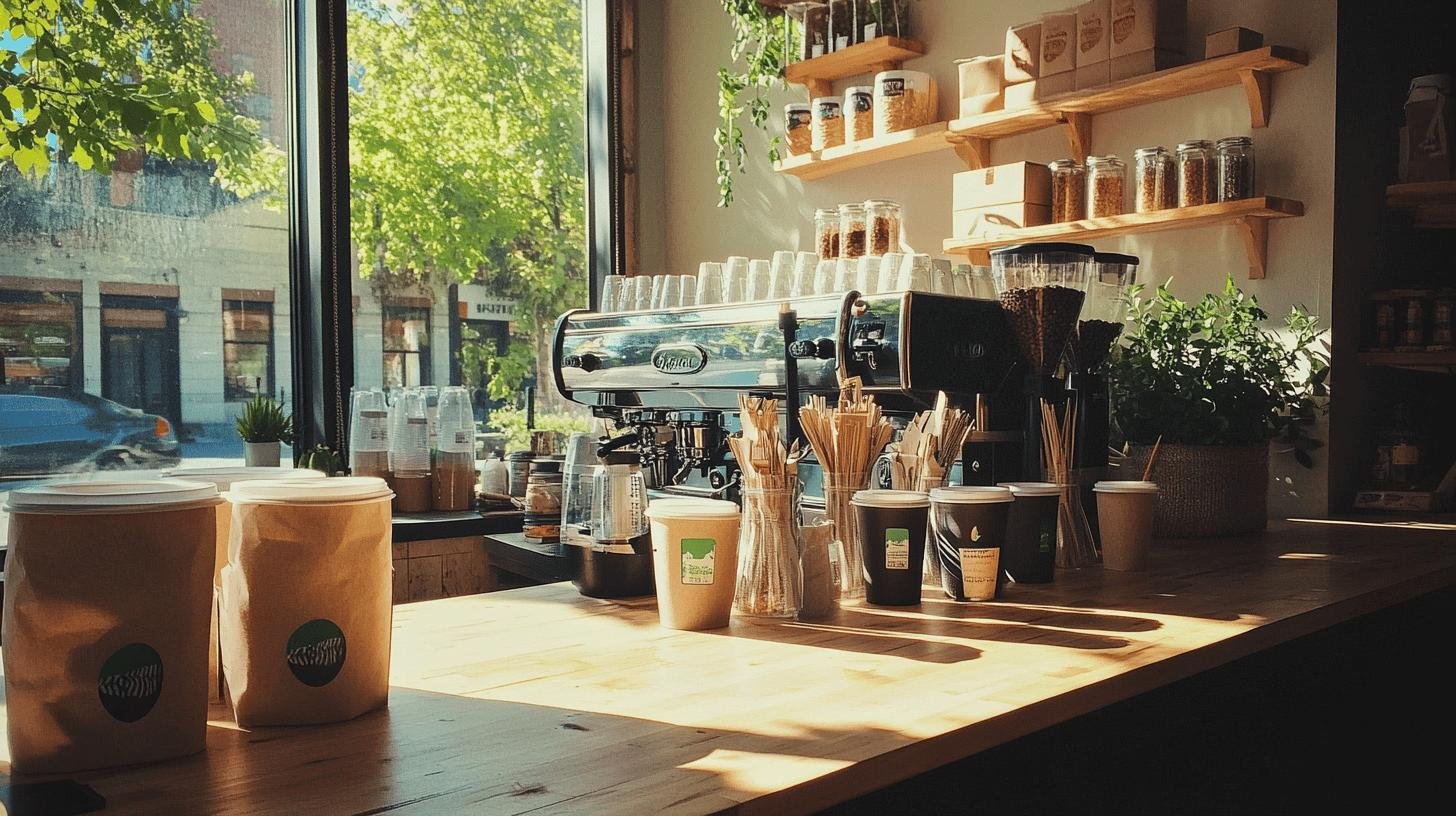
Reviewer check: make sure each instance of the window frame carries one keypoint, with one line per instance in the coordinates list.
(270, 388)
(17, 291)
(423, 354)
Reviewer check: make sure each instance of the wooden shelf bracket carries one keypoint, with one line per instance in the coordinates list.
(1258, 89)
(976, 153)
(1255, 232)
(1079, 133)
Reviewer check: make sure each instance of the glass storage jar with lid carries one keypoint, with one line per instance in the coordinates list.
(1069, 191)
(826, 232)
(1041, 287)
(1153, 173)
(1235, 168)
(1196, 168)
(884, 222)
(1106, 176)
(851, 230)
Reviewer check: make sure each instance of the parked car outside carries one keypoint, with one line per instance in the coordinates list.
(50, 430)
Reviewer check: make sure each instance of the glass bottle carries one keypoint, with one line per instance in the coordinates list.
(1106, 176)
(1195, 173)
(1153, 174)
(826, 233)
(1235, 168)
(851, 230)
(1069, 191)
(885, 223)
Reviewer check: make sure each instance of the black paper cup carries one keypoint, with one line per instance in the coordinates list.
(892, 544)
(969, 528)
(1029, 555)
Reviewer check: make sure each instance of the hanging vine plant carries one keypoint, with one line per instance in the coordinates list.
(756, 67)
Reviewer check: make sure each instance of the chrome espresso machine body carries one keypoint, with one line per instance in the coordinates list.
(674, 376)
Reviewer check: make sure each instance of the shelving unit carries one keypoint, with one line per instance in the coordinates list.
(898, 145)
(1250, 215)
(1437, 362)
(879, 54)
(1433, 202)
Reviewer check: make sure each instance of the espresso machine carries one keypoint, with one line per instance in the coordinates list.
(671, 378)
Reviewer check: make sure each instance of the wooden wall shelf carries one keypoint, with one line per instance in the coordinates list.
(880, 54)
(1075, 109)
(1439, 362)
(927, 139)
(1251, 215)
(1434, 202)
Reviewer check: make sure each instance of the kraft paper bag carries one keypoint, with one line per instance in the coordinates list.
(305, 611)
(106, 637)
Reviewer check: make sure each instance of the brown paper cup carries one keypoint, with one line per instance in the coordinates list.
(306, 607)
(1125, 522)
(695, 561)
(106, 623)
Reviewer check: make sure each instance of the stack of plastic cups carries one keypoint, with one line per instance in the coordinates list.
(982, 284)
(687, 290)
(824, 277)
(940, 277)
(780, 276)
(625, 297)
(671, 294)
(432, 412)
(960, 279)
(641, 293)
(409, 453)
(804, 266)
(611, 292)
(915, 273)
(867, 276)
(368, 433)
(452, 476)
(890, 271)
(735, 279)
(759, 272)
(710, 283)
(844, 271)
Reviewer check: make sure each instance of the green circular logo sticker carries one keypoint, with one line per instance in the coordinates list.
(316, 652)
(130, 682)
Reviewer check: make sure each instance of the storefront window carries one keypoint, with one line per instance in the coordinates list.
(38, 335)
(406, 346)
(247, 349)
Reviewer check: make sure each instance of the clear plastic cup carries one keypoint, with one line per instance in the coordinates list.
(409, 435)
(940, 280)
(804, 266)
(759, 272)
(687, 290)
(658, 282)
(915, 273)
(612, 292)
(867, 275)
(844, 271)
(641, 293)
(960, 279)
(710, 283)
(735, 279)
(890, 265)
(824, 277)
(670, 295)
(781, 274)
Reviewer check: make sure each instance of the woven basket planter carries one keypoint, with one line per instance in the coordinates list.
(1206, 490)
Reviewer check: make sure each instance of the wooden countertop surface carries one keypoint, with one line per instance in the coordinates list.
(540, 700)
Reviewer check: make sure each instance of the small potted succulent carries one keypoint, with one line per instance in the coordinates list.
(264, 428)
(1217, 388)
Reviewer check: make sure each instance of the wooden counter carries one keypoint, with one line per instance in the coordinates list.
(541, 699)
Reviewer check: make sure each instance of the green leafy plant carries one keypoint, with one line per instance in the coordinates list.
(263, 420)
(1208, 373)
(512, 423)
(323, 459)
(757, 65)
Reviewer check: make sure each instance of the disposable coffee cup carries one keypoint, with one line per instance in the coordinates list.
(892, 544)
(223, 478)
(1125, 521)
(695, 561)
(969, 527)
(108, 587)
(1029, 555)
(305, 608)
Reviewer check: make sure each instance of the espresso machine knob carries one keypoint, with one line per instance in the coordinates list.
(585, 361)
(820, 349)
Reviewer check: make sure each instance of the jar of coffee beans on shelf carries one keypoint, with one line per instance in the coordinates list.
(1106, 176)
(828, 122)
(1196, 168)
(851, 230)
(859, 114)
(1069, 191)
(884, 220)
(1153, 173)
(798, 128)
(826, 233)
(1235, 168)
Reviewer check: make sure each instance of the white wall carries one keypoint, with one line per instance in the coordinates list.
(682, 225)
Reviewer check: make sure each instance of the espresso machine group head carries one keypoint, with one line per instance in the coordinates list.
(674, 376)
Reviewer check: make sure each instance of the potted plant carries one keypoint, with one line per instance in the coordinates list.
(1216, 387)
(264, 428)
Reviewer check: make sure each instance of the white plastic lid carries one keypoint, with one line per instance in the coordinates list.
(1031, 488)
(337, 490)
(1125, 487)
(890, 498)
(225, 476)
(112, 496)
(970, 494)
(690, 508)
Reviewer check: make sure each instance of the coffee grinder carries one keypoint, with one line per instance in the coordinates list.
(1091, 344)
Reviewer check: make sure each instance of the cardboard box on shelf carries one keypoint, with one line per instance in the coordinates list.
(1145, 25)
(978, 222)
(981, 81)
(1058, 44)
(1143, 62)
(1005, 183)
(1094, 39)
(1023, 94)
(1231, 41)
(1023, 53)
(985, 103)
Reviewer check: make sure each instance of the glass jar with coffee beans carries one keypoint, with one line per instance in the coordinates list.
(1196, 168)
(851, 230)
(1235, 168)
(1069, 191)
(1106, 176)
(884, 220)
(1154, 179)
(826, 232)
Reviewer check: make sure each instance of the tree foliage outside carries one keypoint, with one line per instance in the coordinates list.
(93, 80)
(467, 159)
